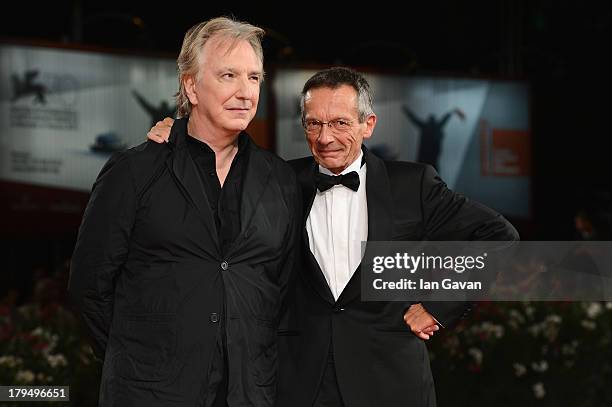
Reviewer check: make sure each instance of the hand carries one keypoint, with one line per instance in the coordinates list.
(161, 132)
(420, 322)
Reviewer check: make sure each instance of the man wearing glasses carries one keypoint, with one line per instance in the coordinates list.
(335, 349)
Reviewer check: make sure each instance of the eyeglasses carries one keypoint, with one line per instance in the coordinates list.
(313, 126)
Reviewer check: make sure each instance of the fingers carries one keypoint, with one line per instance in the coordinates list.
(422, 335)
(155, 137)
(420, 322)
(427, 332)
(431, 328)
(161, 131)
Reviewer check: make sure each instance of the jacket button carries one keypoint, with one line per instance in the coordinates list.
(214, 317)
(338, 309)
(224, 265)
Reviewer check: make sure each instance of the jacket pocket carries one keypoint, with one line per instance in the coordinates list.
(149, 343)
(265, 352)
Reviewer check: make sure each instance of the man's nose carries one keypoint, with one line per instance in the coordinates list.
(325, 135)
(246, 89)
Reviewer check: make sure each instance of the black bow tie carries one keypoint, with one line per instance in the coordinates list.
(325, 182)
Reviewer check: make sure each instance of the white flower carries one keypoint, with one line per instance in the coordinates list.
(538, 390)
(53, 340)
(56, 360)
(38, 331)
(490, 329)
(554, 318)
(590, 325)
(25, 376)
(568, 349)
(540, 367)
(10, 361)
(551, 330)
(476, 354)
(499, 331)
(535, 329)
(516, 316)
(593, 309)
(495, 330)
(519, 369)
(609, 305)
(452, 345)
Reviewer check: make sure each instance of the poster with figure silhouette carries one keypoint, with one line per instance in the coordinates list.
(157, 112)
(64, 112)
(474, 132)
(431, 134)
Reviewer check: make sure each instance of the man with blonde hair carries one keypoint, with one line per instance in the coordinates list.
(185, 250)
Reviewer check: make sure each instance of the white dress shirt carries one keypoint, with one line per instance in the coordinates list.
(336, 226)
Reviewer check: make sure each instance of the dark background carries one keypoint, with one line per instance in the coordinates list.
(560, 48)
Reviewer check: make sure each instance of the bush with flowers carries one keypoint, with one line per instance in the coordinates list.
(526, 354)
(502, 354)
(41, 345)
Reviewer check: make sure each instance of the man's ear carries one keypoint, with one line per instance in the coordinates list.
(190, 88)
(370, 123)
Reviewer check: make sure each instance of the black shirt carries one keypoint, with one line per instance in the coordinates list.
(225, 206)
(224, 202)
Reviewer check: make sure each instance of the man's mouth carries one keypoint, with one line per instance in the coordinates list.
(327, 152)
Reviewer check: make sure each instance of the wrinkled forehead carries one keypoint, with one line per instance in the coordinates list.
(338, 101)
(222, 47)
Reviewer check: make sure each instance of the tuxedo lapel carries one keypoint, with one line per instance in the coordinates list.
(380, 204)
(314, 274)
(380, 216)
(183, 168)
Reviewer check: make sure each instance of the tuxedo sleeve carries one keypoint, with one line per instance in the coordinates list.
(449, 216)
(102, 248)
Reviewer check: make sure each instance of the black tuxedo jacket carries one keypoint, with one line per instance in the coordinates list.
(154, 288)
(379, 361)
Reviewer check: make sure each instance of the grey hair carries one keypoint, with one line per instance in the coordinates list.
(189, 59)
(335, 77)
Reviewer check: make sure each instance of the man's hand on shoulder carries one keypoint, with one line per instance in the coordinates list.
(161, 131)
